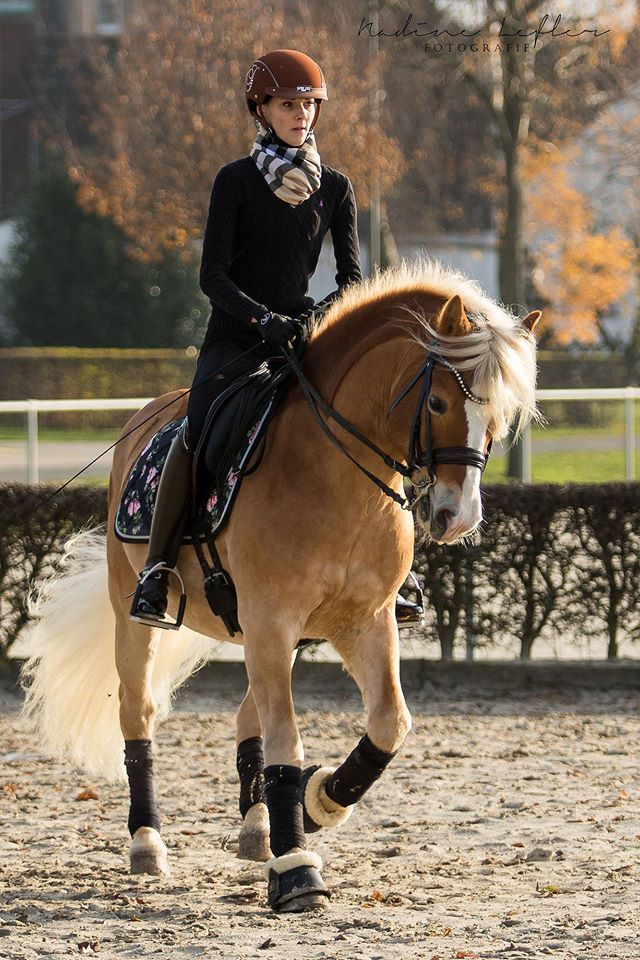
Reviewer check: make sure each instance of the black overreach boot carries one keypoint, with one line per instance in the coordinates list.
(167, 525)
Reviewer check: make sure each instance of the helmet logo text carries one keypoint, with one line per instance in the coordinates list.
(250, 76)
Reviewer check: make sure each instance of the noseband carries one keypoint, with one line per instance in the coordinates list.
(419, 459)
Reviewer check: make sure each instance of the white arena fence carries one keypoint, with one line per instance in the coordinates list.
(33, 407)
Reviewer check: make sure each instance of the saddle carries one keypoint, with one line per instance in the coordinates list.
(230, 447)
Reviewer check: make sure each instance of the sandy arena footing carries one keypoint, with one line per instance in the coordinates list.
(507, 827)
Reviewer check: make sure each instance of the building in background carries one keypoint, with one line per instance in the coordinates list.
(18, 141)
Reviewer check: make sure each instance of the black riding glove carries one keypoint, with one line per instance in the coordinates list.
(277, 329)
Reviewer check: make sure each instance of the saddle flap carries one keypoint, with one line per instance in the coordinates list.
(234, 428)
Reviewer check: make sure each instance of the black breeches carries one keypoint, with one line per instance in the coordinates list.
(218, 365)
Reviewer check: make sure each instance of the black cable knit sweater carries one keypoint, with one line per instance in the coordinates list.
(259, 252)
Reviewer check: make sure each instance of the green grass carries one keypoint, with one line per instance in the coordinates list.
(97, 434)
(565, 466)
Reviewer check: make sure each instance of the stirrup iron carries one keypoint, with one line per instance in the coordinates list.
(165, 622)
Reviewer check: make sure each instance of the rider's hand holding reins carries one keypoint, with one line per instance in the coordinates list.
(277, 329)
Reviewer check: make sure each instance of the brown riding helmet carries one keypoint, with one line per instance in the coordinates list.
(286, 74)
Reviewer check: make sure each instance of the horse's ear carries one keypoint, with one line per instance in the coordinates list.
(532, 319)
(452, 319)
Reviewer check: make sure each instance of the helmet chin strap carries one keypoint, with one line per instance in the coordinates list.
(263, 120)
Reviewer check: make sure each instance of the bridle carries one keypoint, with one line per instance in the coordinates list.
(420, 460)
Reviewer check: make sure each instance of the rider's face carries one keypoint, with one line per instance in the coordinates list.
(291, 119)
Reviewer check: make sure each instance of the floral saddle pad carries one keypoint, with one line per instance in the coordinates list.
(133, 519)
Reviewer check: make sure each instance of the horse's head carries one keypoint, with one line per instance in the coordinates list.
(482, 377)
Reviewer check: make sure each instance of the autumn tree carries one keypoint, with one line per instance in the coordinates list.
(166, 109)
(608, 162)
(582, 267)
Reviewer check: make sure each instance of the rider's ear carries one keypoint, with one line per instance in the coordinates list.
(452, 319)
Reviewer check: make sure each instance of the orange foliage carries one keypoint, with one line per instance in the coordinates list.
(582, 272)
(168, 109)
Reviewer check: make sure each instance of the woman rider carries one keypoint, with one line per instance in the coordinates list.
(268, 215)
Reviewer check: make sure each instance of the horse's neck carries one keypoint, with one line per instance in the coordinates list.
(363, 359)
(337, 348)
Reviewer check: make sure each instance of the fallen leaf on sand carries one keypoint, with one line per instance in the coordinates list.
(87, 794)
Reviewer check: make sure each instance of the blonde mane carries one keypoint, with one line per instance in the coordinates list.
(500, 351)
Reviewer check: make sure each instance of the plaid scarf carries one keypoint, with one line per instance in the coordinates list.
(293, 173)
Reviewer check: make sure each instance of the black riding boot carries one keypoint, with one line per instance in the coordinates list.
(169, 517)
(406, 610)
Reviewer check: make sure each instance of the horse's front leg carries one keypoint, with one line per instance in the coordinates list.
(373, 661)
(136, 647)
(293, 872)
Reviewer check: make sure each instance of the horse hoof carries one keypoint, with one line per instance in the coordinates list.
(253, 841)
(148, 854)
(295, 883)
(305, 903)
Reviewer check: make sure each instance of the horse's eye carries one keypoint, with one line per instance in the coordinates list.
(437, 405)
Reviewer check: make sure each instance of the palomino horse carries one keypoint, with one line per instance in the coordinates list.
(315, 549)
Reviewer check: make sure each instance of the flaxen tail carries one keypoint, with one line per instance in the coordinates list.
(70, 675)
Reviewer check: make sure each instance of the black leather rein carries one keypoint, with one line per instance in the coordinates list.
(418, 458)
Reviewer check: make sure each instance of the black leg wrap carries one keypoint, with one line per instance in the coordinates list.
(360, 770)
(250, 766)
(139, 765)
(283, 791)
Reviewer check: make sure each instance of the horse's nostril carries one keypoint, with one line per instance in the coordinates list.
(443, 517)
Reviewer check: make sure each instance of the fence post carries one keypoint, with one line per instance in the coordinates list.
(32, 443)
(469, 628)
(526, 454)
(630, 438)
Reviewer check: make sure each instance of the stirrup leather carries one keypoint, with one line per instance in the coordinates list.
(166, 622)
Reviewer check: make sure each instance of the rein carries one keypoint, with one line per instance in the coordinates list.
(418, 458)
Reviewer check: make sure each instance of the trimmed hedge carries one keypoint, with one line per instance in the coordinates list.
(550, 560)
(33, 538)
(74, 373)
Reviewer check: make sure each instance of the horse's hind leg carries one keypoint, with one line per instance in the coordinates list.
(373, 661)
(136, 647)
(253, 841)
